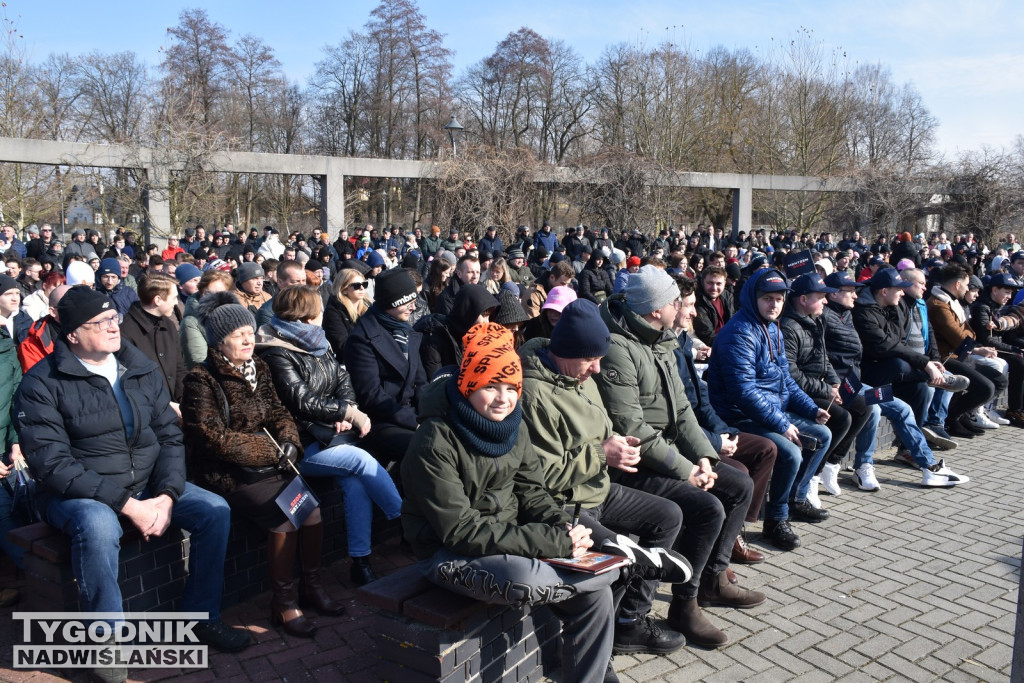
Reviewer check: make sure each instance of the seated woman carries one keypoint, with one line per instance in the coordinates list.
(477, 512)
(317, 391)
(228, 401)
(347, 303)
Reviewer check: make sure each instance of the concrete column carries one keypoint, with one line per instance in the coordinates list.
(743, 205)
(156, 199)
(332, 198)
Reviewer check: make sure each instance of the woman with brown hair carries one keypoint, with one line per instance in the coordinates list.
(317, 391)
(437, 279)
(347, 303)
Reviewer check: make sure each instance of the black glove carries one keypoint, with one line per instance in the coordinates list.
(289, 454)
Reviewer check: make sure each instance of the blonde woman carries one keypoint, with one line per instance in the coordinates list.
(496, 276)
(347, 303)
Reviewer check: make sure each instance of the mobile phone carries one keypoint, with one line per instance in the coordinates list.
(649, 439)
(809, 443)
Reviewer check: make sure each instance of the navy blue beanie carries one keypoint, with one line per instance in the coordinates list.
(580, 332)
(109, 266)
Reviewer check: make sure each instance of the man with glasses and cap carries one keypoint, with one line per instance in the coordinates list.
(100, 436)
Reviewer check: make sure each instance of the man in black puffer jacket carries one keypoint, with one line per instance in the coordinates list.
(99, 434)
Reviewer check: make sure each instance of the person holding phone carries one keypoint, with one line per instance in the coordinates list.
(751, 388)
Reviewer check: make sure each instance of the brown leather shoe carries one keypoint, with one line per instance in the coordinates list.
(744, 554)
(731, 575)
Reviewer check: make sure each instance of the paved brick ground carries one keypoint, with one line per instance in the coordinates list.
(903, 584)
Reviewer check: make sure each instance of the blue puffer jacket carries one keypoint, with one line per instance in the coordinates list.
(748, 375)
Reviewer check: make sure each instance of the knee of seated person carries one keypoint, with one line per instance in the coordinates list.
(99, 523)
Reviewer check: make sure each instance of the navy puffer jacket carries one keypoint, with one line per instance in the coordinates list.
(748, 374)
(73, 435)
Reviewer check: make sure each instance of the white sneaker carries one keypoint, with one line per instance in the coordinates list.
(865, 476)
(980, 420)
(938, 475)
(812, 494)
(830, 478)
(996, 417)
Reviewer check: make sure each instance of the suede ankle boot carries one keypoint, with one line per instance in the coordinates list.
(284, 607)
(718, 590)
(685, 616)
(311, 557)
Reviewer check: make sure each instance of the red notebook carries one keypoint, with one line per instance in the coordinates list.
(590, 562)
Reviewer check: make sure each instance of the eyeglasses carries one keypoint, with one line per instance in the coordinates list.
(359, 285)
(106, 323)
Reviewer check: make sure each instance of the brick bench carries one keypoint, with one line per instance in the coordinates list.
(152, 574)
(425, 633)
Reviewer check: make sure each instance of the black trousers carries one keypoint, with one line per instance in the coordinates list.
(653, 519)
(845, 422)
(711, 519)
(983, 387)
(1015, 393)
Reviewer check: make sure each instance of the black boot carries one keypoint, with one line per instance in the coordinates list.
(361, 572)
(311, 557)
(284, 607)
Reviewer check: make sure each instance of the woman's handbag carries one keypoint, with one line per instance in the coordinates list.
(23, 495)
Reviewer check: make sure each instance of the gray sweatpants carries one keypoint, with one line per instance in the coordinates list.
(582, 602)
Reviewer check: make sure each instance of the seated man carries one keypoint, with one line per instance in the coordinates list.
(992, 319)
(845, 353)
(714, 305)
(573, 436)
(99, 434)
(803, 331)
(559, 275)
(478, 516)
(751, 389)
(382, 356)
(948, 315)
(899, 349)
(749, 453)
(645, 398)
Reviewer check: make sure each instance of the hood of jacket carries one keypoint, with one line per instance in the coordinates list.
(620, 319)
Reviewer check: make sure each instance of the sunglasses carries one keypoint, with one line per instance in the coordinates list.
(359, 285)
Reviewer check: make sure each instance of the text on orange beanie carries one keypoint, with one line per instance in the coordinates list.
(489, 357)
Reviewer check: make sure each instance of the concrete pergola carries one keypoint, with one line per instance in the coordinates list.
(331, 171)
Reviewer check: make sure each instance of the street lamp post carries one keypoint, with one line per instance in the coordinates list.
(453, 127)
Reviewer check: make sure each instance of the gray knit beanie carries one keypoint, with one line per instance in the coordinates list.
(221, 315)
(649, 289)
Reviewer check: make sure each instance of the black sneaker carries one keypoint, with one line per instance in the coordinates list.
(780, 534)
(220, 636)
(652, 564)
(643, 636)
(938, 437)
(805, 512)
(960, 429)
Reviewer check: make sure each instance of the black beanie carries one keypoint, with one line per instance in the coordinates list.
(393, 288)
(80, 305)
(580, 332)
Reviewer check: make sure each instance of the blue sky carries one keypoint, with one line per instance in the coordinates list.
(965, 58)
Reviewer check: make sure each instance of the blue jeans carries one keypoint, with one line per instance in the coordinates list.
(8, 522)
(938, 411)
(95, 533)
(867, 439)
(901, 417)
(791, 477)
(364, 482)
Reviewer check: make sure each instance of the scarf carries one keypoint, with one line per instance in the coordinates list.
(488, 437)
(399, 329)
(309, 338)
(247, 370)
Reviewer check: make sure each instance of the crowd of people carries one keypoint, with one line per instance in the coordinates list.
(641, 396)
